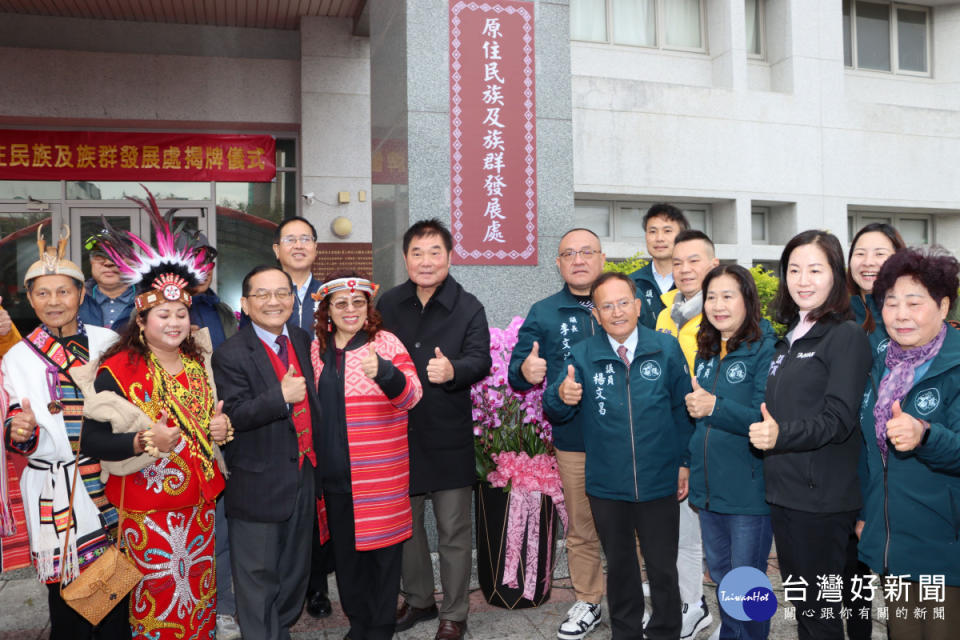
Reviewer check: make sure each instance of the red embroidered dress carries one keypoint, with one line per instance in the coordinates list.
(168, 507)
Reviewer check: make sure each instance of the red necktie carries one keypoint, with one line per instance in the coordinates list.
(622, 352)
(282, 350)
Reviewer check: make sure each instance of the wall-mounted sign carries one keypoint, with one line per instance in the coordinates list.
(493, 133)
(114, 155)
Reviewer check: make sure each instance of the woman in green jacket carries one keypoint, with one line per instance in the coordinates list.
(910, 419)
(869, 249)
(734, 349)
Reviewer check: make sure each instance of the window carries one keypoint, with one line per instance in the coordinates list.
(758, 225)
(666, 24)
(623, 221)
(916, 229)
(754, 18)
(886, 37)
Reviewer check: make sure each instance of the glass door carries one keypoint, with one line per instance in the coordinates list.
(18, 250)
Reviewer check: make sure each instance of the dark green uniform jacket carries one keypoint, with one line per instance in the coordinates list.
(557, 323)
(912, 504)
(726, 473)
(649, 291)
(635, 423)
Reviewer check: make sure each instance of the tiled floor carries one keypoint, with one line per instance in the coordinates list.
(23, 615)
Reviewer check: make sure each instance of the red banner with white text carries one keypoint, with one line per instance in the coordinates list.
(493, 153)
(115, 155)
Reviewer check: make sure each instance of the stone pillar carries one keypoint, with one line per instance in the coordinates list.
(335, 125)
(411, 101)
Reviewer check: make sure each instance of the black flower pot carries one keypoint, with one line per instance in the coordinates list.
(493, 507)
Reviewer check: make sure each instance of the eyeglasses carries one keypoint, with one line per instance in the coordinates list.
(622, 305)
(570, 254)
(292, 240)
(262, 295)
(355, 303)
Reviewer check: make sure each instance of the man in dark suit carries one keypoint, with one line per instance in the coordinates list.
(444, 328)
(265, 379)
(295, 245)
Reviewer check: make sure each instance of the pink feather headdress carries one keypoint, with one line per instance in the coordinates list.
(179, 261)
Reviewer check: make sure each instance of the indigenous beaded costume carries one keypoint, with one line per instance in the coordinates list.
(169, 506)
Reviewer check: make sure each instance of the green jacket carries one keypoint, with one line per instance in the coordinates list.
(635, 422)
(878, 338)
(726, 473)
(557, 324)
(649, 291)
(912, 503)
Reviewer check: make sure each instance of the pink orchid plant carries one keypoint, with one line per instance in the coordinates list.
(506, 421)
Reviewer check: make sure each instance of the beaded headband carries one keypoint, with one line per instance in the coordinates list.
(350, 284)
(168, 287)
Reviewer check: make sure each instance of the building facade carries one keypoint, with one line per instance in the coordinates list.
(760, 118)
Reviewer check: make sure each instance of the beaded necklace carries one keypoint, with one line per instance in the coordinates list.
(192, 405)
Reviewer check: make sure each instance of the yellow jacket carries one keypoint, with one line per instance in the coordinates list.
(9, 340)
(687, 335)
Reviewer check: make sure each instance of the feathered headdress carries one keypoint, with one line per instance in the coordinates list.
(163, 273)
(52, 262)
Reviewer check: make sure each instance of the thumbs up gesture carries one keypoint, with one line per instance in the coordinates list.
(700, 402)
(903, 430)
(439, 368)
(370, 362)
(162, 437)
(534, 368)
(571, 391)
(23, 424)
(6, 324)
(294, 387)
(219, 424)
(763, 434)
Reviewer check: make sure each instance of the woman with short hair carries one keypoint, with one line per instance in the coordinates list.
(808, 432)
(910, 419)
(734, 347)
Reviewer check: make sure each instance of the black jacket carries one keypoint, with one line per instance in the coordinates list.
(263, 458)
(441, 425)
(814, 389)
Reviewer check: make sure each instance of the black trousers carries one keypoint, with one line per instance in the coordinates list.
(808, 545)
(321, 562)
(67, 624)
(368, 581)
(858, 627)
(656, 525)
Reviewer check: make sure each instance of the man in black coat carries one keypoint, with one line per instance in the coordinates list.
(264, 377)
(445, 330)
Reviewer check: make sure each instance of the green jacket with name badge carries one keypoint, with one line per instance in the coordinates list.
(635, 423)
(726, 472)
(911, 504)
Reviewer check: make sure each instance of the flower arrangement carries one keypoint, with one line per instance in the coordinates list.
(513, 447)
(507, 421)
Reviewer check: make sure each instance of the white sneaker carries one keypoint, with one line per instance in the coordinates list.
(227, 628)
(695, 619)
(582, 618)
